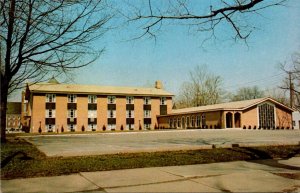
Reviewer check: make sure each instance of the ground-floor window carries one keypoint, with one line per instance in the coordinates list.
(179, 123)
(71, 127)
(147, 126)
(203, 121)
(129, 126)
(198, 121)
(111, 127)
(175, 123)
(92, 127)
(193, 121)
(50, 128)
(266, 115)
(171, 123)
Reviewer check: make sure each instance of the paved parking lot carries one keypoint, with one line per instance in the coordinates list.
(111, 143)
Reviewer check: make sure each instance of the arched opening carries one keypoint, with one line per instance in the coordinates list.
(229, 120)
(237, 120)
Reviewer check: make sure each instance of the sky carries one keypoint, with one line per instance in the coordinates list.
(176, 52)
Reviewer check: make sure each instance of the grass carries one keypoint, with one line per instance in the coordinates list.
(20, 159)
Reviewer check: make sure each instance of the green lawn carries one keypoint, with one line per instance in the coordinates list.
(20, 159)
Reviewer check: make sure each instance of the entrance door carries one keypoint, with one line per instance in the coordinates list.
(229, 120)
(237, 120)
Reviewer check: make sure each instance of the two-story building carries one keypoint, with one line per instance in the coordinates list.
(55, 107)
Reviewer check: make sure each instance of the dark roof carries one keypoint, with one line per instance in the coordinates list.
(14, 108)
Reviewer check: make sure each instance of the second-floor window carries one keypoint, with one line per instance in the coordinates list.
(92, 99)
(111, 99)
(163, 101)
(129, 114)
(147, 114)
(50, 113)
(129, 100)
(72, 98)
(147, 100)
(71, 113)
(50, 98)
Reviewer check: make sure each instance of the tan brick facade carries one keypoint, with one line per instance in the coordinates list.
(39, 110)
(276, 117)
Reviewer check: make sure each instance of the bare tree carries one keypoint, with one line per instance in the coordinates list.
(204, 88)
(42, 37)
(247, 93)
(200, 16)
(291, 83)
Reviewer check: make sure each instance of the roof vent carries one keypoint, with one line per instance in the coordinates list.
(53, 81)
(158, 84)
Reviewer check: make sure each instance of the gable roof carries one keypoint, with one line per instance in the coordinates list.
(236, 105)
(95, 89)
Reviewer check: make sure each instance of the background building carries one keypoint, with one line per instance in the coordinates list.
(55, 107)
(13, 116)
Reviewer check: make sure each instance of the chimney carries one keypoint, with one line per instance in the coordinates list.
(158, 84)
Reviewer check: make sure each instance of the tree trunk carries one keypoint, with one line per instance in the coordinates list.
(3, 99)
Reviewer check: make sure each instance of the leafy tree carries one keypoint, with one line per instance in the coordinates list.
(42, 37)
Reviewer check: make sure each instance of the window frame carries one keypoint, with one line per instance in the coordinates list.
(129, 99)
(111, 99)
(92, 99)
(72, 98)
(147, 100)
(50, 98)
(163, 100)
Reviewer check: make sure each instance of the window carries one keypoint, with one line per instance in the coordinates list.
(111, 99)
(50, 98)
(193, 121)
(50, 113)
(129, 114)
(50, 128)
(72, 98)
(198, 121)
(111, 113)
(266, 115)
(163, 101)
(71, 127)
(129, 126)
(111, 127)
(147, 100)
(92, 113)
(147, 126)
(92, 127)
(203, 121)
(129, 100)
(178, 122)
(171, 123)
(294, 123)
(71, 113)
(92, 99)
(147, 113)
(175, 123)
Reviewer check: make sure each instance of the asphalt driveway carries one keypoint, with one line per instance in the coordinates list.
(111, 143)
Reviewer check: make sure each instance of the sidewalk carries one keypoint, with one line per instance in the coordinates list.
(239, 176)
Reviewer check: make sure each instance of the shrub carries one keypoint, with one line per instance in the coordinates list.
(249, 127)
(62, 129)
(103, 128)
(82, 128)
(254, 127)
(122, 127)
(140, 127)
(244, 127)
(40, 130)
